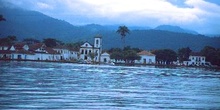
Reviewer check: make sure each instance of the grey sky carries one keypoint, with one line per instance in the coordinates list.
(199, 15)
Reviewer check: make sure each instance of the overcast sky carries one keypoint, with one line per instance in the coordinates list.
(202, 16)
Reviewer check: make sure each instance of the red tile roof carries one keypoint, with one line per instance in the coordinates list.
(145, 53)
(50, 50)
(36, 46)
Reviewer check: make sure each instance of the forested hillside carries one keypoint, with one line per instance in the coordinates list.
(31, 24)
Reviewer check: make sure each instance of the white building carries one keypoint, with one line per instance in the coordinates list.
(86, 50)
(146, 58)
(65, 53)
(105, 58)
(5, 52)
(41, 52)
(195, 59)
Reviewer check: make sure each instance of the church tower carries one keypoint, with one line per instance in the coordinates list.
(98, 47)
(98, 41)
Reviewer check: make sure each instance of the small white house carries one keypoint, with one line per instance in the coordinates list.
(146, 58)
(105, 58)
(195, 59)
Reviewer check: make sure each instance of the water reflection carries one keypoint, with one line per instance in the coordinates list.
(31, 85)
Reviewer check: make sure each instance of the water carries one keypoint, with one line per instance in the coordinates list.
(35, 85)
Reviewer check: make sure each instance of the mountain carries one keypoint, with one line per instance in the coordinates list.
(32, 24)
(174, 29)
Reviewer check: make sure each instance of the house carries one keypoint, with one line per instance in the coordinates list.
(146, 58)
(20, 51)
(105, 58)
(41, 52)
(5, 52)
(86, 50)
(66, 53)
(195, 59)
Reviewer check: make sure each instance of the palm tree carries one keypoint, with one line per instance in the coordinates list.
(2, 18)
(123, 30)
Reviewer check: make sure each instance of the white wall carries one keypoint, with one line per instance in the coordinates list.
(148, 59)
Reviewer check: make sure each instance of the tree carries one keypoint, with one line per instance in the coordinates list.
(212, 55)
(114, 50)
(117, 56)
(165, 56)
(2, 18)
(123, 30)
(50, 42)
(130, 56)
(31, 41)
(8, 40)
(75, 46)
(183, 54)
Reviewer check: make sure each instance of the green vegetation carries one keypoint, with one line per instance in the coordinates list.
(31, 41)
(38, 25)
(128, 54)
(165, 56)
(50, 42)
(74, 46)
(183, 54)
(212, 55)
(8, 40)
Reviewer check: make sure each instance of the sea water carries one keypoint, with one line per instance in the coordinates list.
(40, 85)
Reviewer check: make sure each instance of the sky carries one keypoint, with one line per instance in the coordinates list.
(202, 16)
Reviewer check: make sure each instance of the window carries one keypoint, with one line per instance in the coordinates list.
(97, 41)
(86, 45)
(86, 52)
(82, 52)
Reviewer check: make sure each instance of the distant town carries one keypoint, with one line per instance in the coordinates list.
(52, 50)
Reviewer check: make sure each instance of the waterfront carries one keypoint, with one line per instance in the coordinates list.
(42, 85)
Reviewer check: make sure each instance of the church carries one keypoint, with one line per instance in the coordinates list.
(89, 52)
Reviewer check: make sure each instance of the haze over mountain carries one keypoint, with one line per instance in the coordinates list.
(175, 29)
(31, 24)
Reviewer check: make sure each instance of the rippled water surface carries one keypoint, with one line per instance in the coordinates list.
(34, 85)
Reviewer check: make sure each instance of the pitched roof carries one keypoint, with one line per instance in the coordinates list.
(50, 50)
(105, 54)
(36, 46)
(145, 53)
(5, 52)
(24, 52)
(19, 46)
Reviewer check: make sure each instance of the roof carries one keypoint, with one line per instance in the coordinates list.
(19, 46)
(195, 54)
(105, 54)
(50, 50)
(60, 47)
(24, 52)
(5, 52)
(4, 45)
(145, 53)
(36, 46)
(84, 45)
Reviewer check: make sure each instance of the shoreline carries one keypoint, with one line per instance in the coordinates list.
(116, 64)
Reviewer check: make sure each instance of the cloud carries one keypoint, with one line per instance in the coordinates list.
(193, 14)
